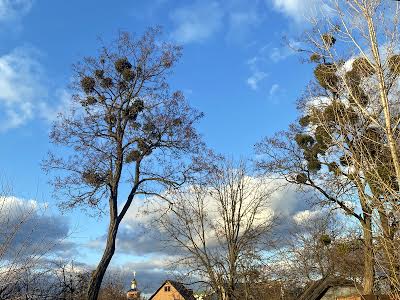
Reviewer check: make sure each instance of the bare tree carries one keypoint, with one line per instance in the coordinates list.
(368, 31)
(220, 228)
(347, 145)
(318, 246)
(297, 158)
(125, 128)
(70, 281)
(25, 251)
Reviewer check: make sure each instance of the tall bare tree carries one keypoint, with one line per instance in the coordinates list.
(220, 228)
(125, 128)
(349, 138)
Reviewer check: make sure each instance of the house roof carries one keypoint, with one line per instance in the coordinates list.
(182, 290)
(318, 288)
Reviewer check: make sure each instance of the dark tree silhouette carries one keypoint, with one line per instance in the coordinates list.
(125, 128)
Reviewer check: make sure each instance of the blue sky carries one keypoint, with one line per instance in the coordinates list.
(235, 68)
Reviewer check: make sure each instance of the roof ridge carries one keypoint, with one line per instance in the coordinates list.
(186, 293)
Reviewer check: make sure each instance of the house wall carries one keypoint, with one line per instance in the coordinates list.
(335, 292)
(173, 294)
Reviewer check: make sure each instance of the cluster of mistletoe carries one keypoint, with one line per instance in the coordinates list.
(334, 131)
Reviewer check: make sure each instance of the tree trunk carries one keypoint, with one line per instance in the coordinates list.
(389, 249)
(369, 271)
(98, 274)
(384, 97)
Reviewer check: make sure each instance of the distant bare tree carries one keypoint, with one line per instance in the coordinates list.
(317, 247)
(113, 287)
(70, 281)
(220, 228)
(125, 129)
(26, 271)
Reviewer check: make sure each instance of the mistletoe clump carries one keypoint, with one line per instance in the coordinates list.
(88, 84)
(90, 100)
(93, 178)
(333, 167)
(99, 74)
(133, 110)
(363, 67)
(315, 57)
(122, 85)
(305, 121)
(107, 82)
(132, 156)
(326, 76)
(304, 140)
(358, 96)
(138, 105)
(328, 39)
(122, 64)
(177, 122)
(394, 64)
(335, 111)
(301, 178)
(128, 74)
(313, 164)
(322, 136)
(149, 127)
(325, 239)
(144, 147)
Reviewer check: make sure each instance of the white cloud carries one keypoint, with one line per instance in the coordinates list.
(14, 9)
(306, 216)
(254, 80)
(267, 53)
(276, 93)
(274, 89)
(24, 92)
(279, 54)
(63, 104)
(197, 22)
(300, 10)
(20, 86)
(261, 60)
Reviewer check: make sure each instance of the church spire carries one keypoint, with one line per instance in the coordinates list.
(133, 293)
(134, 282)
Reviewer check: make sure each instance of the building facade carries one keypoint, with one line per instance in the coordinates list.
(172, 290)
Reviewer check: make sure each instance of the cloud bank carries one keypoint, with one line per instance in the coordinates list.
(27, 230)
